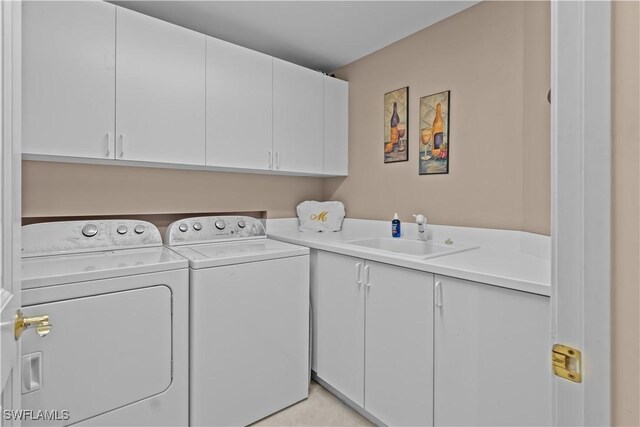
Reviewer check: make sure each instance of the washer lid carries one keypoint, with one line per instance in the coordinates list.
(227, 253)
(62, 269)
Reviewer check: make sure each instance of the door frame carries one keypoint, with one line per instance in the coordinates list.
(581, 205)
(10, 211)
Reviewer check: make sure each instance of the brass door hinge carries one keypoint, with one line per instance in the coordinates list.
(567, 362)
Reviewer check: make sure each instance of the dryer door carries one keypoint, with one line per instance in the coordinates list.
(103, 352)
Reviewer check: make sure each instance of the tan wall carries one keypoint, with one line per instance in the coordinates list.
(58, 189)
(499, 129)
(536, 160)
(626, 213)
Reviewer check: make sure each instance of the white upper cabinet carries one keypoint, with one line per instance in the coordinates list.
(102, 82)
(160, 94)
(68, 80)
(297, 118)
(239, 106)
(336, 126)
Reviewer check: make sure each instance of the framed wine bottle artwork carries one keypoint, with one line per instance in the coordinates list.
(434, 146)
(396, 125)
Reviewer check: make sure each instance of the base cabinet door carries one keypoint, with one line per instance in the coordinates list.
(160, 92)
(69, 78)
(399, 345)
(492, 348)
(339, 323)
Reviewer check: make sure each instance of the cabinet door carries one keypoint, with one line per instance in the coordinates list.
(492, 350)
(160, 98)
(399, 345)
(297, 118)
(68, 63)
(336, 126)
(339, 315)
(239, 106)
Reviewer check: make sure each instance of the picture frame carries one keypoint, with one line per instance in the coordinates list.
(434, 145)
(396, 125)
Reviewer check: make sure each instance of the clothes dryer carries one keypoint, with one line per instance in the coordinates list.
(117, 301)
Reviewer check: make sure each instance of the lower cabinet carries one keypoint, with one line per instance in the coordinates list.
(338, 330)
(411, 348)
(373, 336)
(492, 356)
(398, 368)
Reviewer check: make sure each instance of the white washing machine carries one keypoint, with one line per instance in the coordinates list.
(117, 300)
(249, 319)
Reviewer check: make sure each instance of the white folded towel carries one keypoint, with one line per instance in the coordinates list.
(320, 216)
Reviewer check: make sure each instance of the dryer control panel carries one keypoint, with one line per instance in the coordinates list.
(207, 229)
(67, 237)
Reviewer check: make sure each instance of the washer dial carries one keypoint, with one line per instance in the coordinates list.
(90, 230)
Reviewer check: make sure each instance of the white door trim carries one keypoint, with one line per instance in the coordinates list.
(581, 204)
(10, 203)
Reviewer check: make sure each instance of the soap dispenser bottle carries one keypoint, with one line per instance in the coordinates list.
(395, 226)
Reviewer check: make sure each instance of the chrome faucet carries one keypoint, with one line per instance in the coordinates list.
(421, 220)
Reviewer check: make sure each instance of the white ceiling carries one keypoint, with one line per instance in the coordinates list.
(322, 35)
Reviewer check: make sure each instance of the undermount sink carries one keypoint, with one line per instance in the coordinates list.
(415, 248)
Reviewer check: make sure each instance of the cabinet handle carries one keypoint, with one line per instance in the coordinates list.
(277, 160)
(439, 294)
(121, 145)
(270, 160)
(359, 273)
(366, 276)
(108, 144)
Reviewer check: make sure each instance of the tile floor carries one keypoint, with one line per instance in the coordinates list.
(320, 409)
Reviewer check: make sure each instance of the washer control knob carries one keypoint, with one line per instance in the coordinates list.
(122, 229)
(197, 226)
(90, 230)
(183, 227)
(139, 229)
(220, 224)
(241, 223)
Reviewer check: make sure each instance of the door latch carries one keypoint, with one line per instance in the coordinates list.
(567, 362)
(22, 322)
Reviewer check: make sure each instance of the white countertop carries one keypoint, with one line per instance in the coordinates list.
(509, 259)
